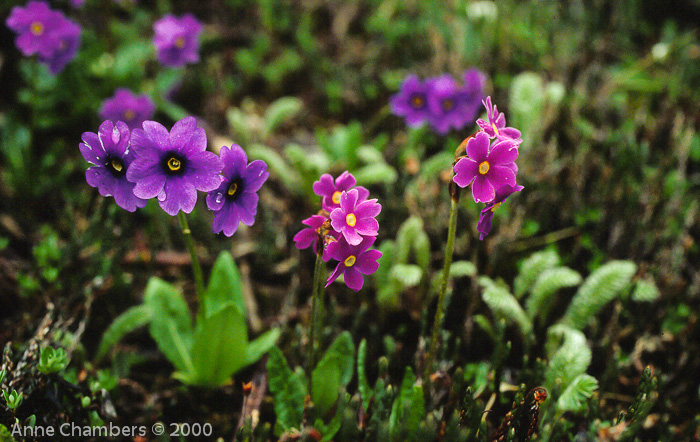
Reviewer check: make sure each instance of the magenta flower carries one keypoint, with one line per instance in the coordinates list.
(411, 102)
(330, 190)
(108, 152)
(496, 126)
(174, 165)
(355, 218)
(486, 170)
(128, 107)
(309, 236)
(235, 200)
(447, 109)
(354, 261)
(484, 224)
(45, 32)
(177, 39)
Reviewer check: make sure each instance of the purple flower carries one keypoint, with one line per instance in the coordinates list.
(355, 217)
(128, 107)
(235, 199)
(496, 126)
(486, 170)
(330, 190)
(173, 166)
(354, 261)
(77, 3)
(108, 152)
(177, 39)
(447, 109)
(310, 236)
(411, 102)
(484, 224)
(471, 93)
(45, 32)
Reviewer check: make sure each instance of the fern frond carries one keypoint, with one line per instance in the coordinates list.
(504, 304)
(531, 269)
(645, 290)
(570, 360)
(601, 287)
(574, 397)
(546, 285)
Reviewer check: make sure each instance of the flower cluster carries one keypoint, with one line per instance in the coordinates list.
(489, 166)
(177, 40)
(440, 100)
(127, 107)
(172, 166)
(344, 230)
(48, 33)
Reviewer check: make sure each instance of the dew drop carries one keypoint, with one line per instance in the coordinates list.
(219, 197)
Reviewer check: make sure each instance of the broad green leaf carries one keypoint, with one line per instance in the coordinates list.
(218, 350)
(574, 397)
(288, 390)
(171, 324)
(261, 345)
(224, 287)
(130, 320)
(331, 428)
(602, 286)
(333, 371)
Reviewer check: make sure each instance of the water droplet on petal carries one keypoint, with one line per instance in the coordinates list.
(219, 197)
(116, 135)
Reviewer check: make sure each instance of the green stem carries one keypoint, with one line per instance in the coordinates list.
(316, 307)
(440, 311)
(196, 268)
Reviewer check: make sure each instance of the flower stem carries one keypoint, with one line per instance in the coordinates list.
(316, 308)
(196, 268)
(440, 311)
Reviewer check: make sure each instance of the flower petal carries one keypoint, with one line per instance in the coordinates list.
(180, 194)
(500, 176)
(353, 278)
(367, 262)
(338, 270)
(478, 147)
(503, 152)
(465, 170)
(482, 190)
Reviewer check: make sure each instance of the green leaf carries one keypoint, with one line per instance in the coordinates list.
(261, 345)
(567, 361)
(5, 434)
(531, 269)
(408, 408)
(278, 167)
(130, 320)
(504, 304)
(645, 290)
(171, 325)
(288, 390)
(370, 154)
(333, 372)
(546, 285)
(331, 429)
(224, 287)
(218, 350)
(280, 111)
(408, 275)
(362, 383)
(376, 173)
(574, 397)
(601, 287)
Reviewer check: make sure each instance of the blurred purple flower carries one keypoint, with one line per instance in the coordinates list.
(355, 218)
(472, 93)
(177, 39)
(45, 32)
(447, 109)
(173, 165)
(108, 152)
(235, 200)
(486, 170)
(502, 193)
(128, 107)
(354, 261)
(496, 126)
(411, 102)
(77, 3)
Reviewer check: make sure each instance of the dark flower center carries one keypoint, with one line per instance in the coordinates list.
(235, 188)
(448, 104)
(174, 164)
(417, 101)
(116, 166)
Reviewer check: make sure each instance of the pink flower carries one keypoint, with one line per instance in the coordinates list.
(355, 217)
(354, 261)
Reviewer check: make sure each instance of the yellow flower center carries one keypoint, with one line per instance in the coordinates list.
(174, 164)
(495, 206)
(336, 197)
(417, 101)
(484, 168)
(37, 28)
(495, 129)
(180, 43)
(232, 189)
(117, 165)
(447, 104)
(350, 261)
(129, 114)
(351, 220)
